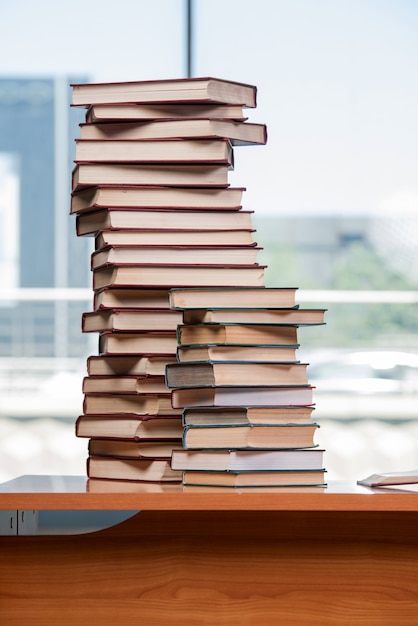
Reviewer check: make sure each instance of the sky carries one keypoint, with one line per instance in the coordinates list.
(336, 79)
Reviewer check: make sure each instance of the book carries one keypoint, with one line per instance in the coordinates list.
(145, 112)
(134, 298)
(193, 151)
(182, 255)
(237, 373)
(94, 174)
(129, 320)
(247, 416)
(243, 437)
(131, 469)
(130, 384)
(247, 297)
(143, 343)
(144, 404)
(390, 478)
(239, 133)
(165, 219)
(174, 238)
(237, 334)
(130, 426)
(157, 450)
(225, 353)
(247, 460)
(204, 90)
(156, 197)
(127, 365)
(279, 478)
(242, 396)
(300, 317)
(167, 275)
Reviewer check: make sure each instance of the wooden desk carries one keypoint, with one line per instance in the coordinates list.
(341, 556)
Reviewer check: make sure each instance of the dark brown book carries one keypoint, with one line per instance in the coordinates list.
(164, 219)
(242, 396)
(248, 416)
(206, 198)
(175, 238)
(144, 404)
(246, 297)
(299, 317)
(236, 373)
(130, 426)
(239, 133)
(193, 151)
(122, 365)
(131, 469)
(155, 450)
(147, 112)
(130, 320)
(237, 334)
(144, 344)
(182, 90)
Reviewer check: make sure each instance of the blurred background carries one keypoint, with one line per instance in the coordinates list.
(334, 194)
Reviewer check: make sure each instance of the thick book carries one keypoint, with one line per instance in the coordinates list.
(248, 416)
(206, 198)
(251, 373)
(156, 450)
(237, 334)
(169, 275)
(130, 426)
(163, 219)
(247, 437)
(149, 112)
(129, 384)
(245, 297)
(300, 317)
(140, 404)
(239, 133)
(93, 174)
(144, 343)
(129, 320)
(390, 478)
(134, 298)
(225, 353)
(242, 396)
(182, 255)
(206, 89)
(131, 469)
(127, 365)
(248, 460)
(279, 478)
(193, 151)
(242, 237)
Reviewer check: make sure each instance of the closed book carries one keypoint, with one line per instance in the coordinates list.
(246, 297)
(206, 198)
(167, 111)
(235, 374)
(157, 237)
(248, 416)
(203, 90)
(239, 133)
(248, 460)
(237, 334)
(164, 219)
(221, 353)
(242, 396)
(129, 320)
(193, 151)
(300, 317)
(170, 175)
(166, 275)
(130, 426)
(187, 255)
(279, 478)
(126, 365)
(134, 298)
(117, 384)
(243, 437)
(131, 469)
(156, 450)
(144, 343)
(141, 404)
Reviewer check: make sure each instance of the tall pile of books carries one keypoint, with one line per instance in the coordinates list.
(150, 184)
(196, 379)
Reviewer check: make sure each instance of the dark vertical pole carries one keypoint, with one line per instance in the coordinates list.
(189, 37)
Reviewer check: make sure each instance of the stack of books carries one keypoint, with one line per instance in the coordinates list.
(150, 184)
(246, 399)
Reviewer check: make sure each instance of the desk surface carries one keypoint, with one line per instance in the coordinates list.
(43, 492)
